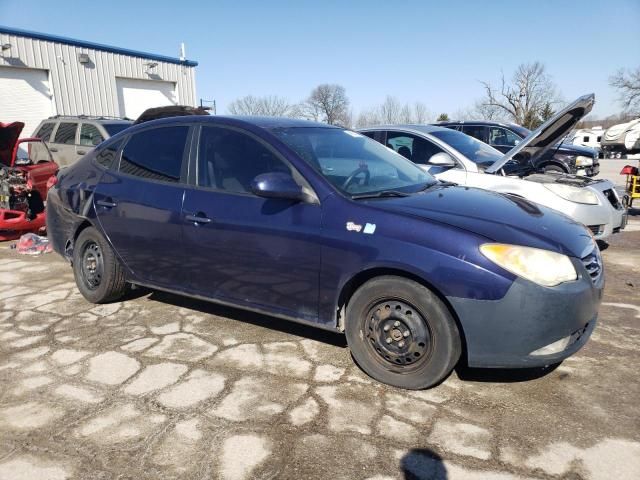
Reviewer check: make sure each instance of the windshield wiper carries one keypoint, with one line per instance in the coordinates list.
(439, 183)
(382, 193)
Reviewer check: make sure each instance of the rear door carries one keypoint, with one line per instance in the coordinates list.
(63, 145)
(263, 253)
(139, 203)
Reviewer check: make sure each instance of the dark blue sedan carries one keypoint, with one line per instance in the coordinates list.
(324, 226)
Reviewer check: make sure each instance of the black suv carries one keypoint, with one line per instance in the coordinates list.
(504, 136)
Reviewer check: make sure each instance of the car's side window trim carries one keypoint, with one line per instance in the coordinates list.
(195, 176)
(183, 180)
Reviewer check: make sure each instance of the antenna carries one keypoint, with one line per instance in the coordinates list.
(182, 54)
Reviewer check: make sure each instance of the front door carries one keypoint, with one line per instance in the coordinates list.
(139, 203)
(259, 252)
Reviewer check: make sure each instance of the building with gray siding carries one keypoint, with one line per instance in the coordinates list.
(43, 75)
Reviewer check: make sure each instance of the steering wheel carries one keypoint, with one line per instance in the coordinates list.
(367, 175)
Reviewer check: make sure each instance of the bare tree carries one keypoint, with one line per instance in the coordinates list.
(393, 112)
(328, 103)
(523, 98)
(628, 85)
(270, 106)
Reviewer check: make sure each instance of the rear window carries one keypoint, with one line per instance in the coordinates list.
(113, 128)
(155, 154)
(66, 133)
(45, 130)
(106, 155)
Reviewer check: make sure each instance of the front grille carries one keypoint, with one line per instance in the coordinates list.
(593, 264)
(596, 229)
(613, 198)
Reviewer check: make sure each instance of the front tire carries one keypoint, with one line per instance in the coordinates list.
(554, 169)
(401, 333)
(97, 272)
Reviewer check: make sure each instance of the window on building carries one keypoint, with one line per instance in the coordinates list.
(66, 133)
(90, 135)
(45, 130)
(155, 154)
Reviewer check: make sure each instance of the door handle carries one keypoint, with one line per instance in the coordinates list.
(106, 203)
(53, 149)
(198, 218)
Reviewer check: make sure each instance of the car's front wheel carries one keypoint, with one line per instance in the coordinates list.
(98, 274)
(554, 169)
(401, 333)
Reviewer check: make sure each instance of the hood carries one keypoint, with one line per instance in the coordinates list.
(499, 218)
(575, 150)
(563, 178)
(550, 132)
(9, 134)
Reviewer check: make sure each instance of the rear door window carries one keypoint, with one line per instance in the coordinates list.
(416, 149)
(502, 137)
(90, 135)
(45, 130)
(66, 133)
(476, 131)
(106, 155)
(155, 154)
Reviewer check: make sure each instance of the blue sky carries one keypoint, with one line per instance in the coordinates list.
(433, 52)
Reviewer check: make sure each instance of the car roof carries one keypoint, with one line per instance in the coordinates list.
(479, 122)
(408, 126)
(266, 123)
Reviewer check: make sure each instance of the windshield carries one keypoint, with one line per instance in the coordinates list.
(353, 163)
(113, 128)
(475, 150)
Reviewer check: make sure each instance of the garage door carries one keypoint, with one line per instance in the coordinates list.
(135, 96)
(24, 97)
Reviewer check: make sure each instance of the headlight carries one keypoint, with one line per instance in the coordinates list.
(582, 161)
(573, 194)
(543, 267)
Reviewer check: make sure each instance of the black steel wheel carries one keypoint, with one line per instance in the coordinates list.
(99, 276)
(401, 333)
(398, 335)
(92, 265)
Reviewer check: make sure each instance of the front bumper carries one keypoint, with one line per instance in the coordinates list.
(14, 223)
(504, 333)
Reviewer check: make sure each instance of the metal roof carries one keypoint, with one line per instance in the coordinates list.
(95, 46)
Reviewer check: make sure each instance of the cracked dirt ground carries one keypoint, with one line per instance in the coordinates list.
(165, 387)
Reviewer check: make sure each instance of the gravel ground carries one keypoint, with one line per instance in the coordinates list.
(161, 386)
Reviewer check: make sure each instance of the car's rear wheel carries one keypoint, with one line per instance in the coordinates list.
(97, 272)
(554, 168)
(401, 333)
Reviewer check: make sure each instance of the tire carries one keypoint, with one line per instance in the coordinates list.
(554, 168)
(98, 274)
(400, 333)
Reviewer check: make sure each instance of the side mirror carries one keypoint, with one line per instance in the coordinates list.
(442, 159)
(278, 185)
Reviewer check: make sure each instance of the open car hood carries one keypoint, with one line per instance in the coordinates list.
(9, 134)
(549, 134)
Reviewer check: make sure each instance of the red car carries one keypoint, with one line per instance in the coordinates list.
(24, 182)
